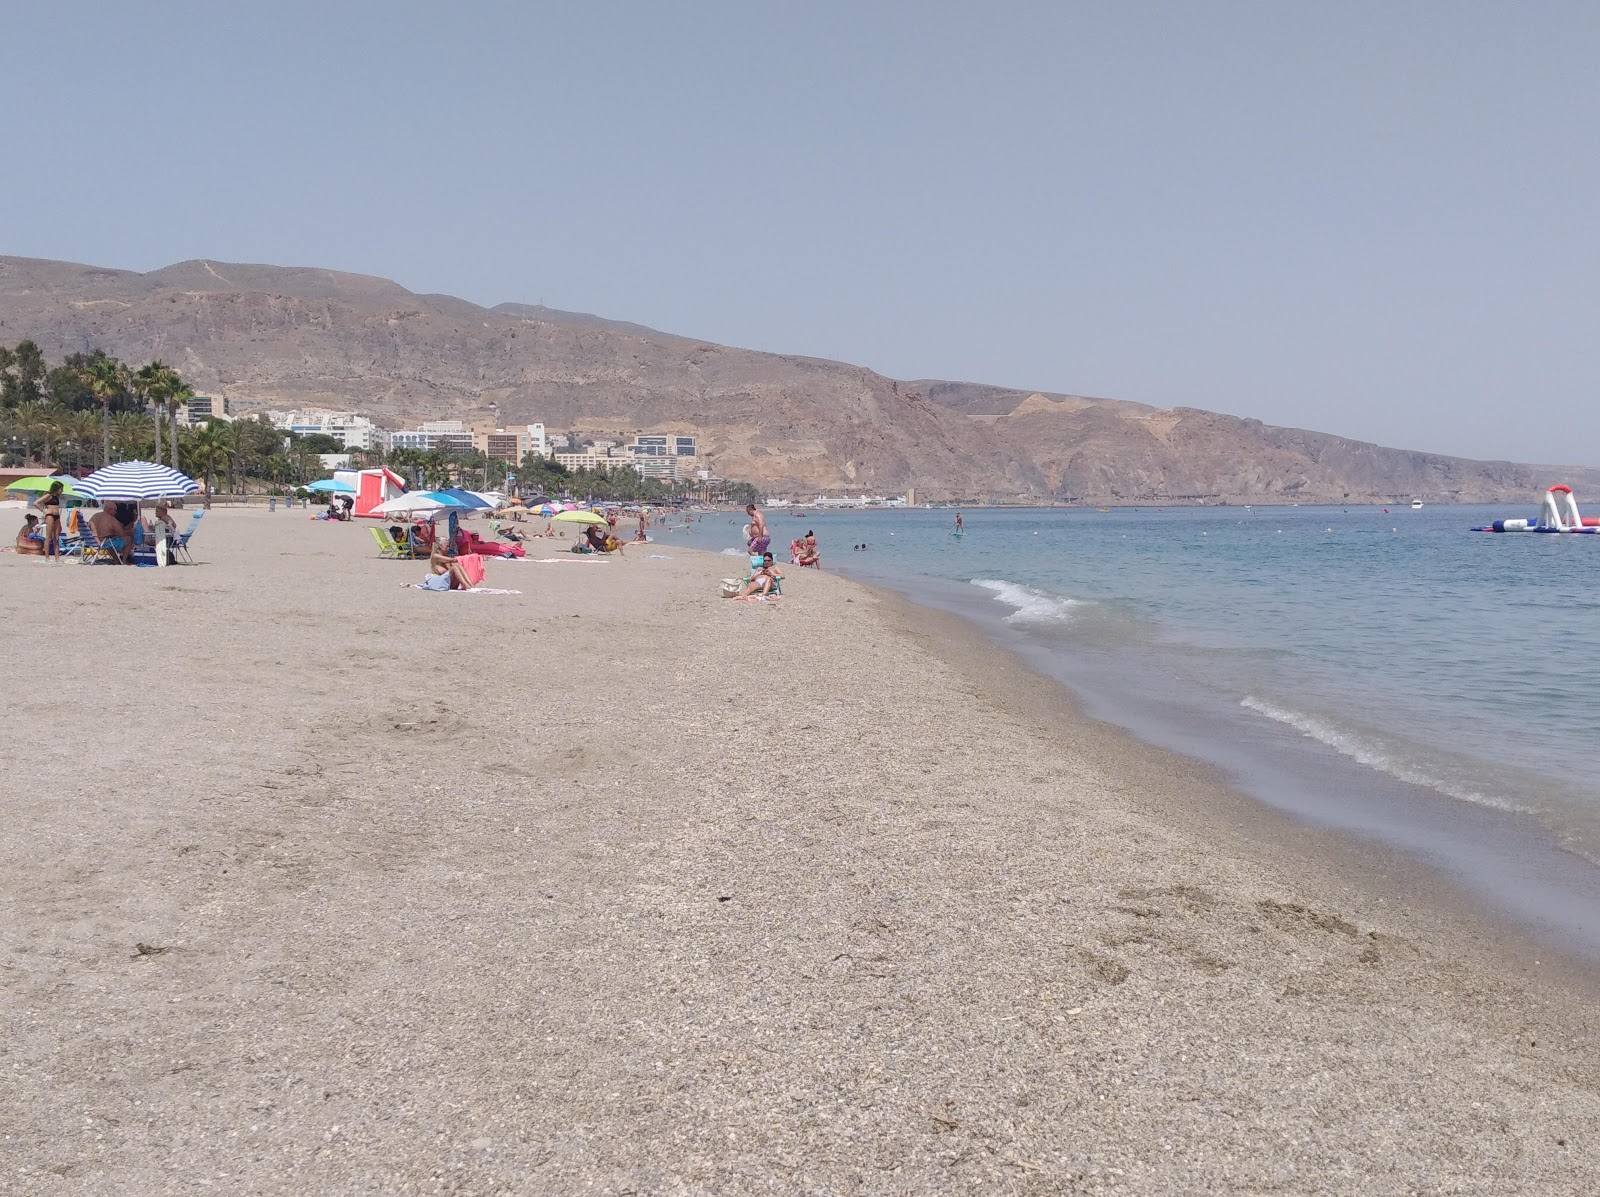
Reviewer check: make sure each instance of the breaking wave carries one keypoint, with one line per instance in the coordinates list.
(1030, 605)
(1366, 750)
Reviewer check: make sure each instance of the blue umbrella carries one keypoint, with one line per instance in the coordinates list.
(332, 486)
(463, 498)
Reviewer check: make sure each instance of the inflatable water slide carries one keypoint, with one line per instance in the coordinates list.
(1559, 513)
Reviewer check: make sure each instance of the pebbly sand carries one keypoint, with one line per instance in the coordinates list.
(614, 886)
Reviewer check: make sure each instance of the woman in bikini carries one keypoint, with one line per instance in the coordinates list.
(49, 505)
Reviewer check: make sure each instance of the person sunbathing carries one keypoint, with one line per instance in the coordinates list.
(764, 580)
(444, 571)
(30, 537)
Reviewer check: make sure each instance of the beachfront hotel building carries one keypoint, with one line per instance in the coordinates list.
(511, 444)
(350, 429)
(668, 456)
(447, 436)
(595, 457)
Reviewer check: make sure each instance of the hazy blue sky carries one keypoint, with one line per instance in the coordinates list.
(1377, 219)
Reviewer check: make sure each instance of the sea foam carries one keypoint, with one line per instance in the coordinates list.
(1031, 605)
(1367, 751)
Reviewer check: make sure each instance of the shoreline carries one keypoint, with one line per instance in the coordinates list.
(612, 883)
(1358, 864)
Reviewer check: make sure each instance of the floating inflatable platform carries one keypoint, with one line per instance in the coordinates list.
(1559, 513)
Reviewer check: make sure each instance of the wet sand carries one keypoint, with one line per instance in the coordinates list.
(613, 885)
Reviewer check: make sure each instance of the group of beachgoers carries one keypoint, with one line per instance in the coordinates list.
(116, 524)
(766, 579)
(455, 562)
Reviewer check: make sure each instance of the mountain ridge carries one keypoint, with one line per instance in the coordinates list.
(305, 336)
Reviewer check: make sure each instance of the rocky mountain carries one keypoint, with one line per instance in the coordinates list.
(298, 337)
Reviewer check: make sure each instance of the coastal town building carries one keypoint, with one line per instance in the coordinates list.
(669, 456)
(201, 408)
(592, 458)
(446, 436)
(663, 445)
(511, 444)
(350, 429)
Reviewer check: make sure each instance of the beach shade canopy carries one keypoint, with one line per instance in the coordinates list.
(579, 517)
(137, 480)
(38, 486)
(547, 510)
(491, 498)
(412, 503)
(332, 486)
(454, 496)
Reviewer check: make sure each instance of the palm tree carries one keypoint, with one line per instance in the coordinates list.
(238, 446)
(82, 430)
(150, 384)
(206, 448)
(177, 393)
(28, 424)
(106, 378)
(128, 430)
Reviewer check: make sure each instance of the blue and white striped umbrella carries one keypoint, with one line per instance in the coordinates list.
(137, 480)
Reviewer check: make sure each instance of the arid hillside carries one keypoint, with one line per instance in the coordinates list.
(291, 336)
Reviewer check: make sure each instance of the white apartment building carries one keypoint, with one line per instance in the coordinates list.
(350, 429)
(448, 436)
(592, 458)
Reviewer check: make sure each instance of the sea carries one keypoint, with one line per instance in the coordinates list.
(1384, 671)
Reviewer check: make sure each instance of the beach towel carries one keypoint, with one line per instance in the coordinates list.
(446, 589)
(472, 566)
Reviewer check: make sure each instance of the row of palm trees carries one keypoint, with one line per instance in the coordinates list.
(231, 452)
(41, 423)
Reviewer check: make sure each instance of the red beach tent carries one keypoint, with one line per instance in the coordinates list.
(372, 487)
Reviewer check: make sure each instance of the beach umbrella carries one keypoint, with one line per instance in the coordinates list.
(491, 498)
(412, 503)
(332, 486)
(38, 486)
(547, 510)
(579, 517)
(462, 498)
(137, 480)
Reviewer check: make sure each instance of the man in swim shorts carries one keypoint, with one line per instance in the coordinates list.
(760, 541)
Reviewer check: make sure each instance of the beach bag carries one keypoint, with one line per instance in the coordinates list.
(731, 587)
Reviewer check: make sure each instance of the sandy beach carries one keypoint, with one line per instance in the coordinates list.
(316, 884)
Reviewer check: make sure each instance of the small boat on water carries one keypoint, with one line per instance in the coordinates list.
(1416, 504)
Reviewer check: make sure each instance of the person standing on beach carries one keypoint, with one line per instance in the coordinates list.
(760, 541)
(49, 505)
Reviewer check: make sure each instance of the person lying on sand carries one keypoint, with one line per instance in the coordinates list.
(30, 537)
(763, 580)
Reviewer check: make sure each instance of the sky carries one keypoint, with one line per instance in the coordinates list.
(1373, 219)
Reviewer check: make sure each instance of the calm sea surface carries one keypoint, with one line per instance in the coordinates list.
(1391, 673)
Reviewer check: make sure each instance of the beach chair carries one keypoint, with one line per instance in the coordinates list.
(387, 547)
(775, 590)
(180, 543)
(91, 551)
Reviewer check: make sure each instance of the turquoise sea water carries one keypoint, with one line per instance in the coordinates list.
(1390, 673)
